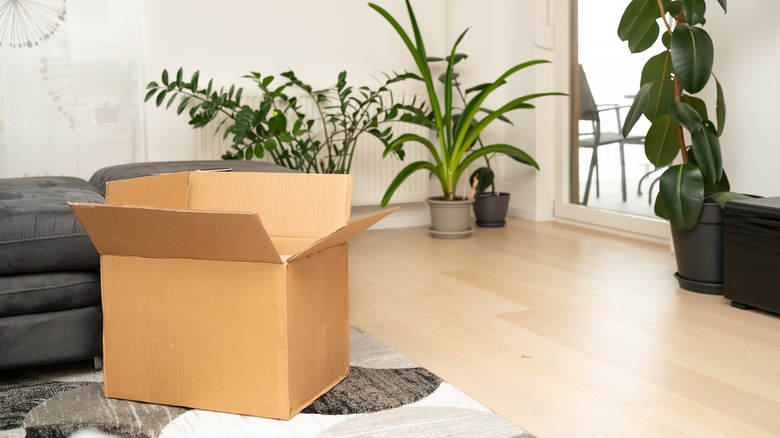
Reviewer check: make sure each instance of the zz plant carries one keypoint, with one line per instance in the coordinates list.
(278, 127)
(667, 97)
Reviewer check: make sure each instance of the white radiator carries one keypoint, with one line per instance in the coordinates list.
(372, 172)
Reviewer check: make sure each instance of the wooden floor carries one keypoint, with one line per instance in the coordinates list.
(570, 332)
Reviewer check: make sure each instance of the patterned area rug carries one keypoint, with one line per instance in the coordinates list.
(385, 395)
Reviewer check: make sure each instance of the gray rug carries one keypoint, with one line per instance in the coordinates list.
(385, 395)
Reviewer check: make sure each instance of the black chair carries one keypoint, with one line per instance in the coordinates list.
(595, 136)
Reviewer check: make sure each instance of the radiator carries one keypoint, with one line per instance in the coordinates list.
(372, 172)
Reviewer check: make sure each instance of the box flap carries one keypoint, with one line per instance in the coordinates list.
(294, 205)
(156, 233)
(345, 233)
(163, 191)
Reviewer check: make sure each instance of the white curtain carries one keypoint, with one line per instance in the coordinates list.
(70, 97)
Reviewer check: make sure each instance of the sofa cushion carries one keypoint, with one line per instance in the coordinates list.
(135, 170)
(52, 337)
(41, 292)
(38, 232)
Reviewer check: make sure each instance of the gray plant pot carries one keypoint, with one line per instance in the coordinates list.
(491, 209)
(450, 219)
(699, 253)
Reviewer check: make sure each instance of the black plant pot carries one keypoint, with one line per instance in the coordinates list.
(699, 253)
(491, 209)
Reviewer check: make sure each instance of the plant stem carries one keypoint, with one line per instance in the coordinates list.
(677, 90)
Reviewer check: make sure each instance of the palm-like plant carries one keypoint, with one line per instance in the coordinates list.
(666, 98)
(456, 130)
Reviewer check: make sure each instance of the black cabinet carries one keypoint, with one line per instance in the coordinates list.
(751, 253)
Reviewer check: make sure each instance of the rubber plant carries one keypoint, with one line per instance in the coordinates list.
(667, 97)
(456, 129)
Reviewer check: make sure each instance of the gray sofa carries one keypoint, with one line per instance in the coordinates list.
(49, 271)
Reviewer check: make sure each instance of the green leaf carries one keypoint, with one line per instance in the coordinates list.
(403, 175)
(658, 68)
(722, 4)
(723, 197)
(638, 25)
(165, 77)
(149, 95)
(249, 153)
(706, 149)
(694, 11)
(697, 104)
(170, 101)
(661, 144)
(720, 107)
(485, 178)
(637, 108)
(270, 144)
(692, 56)
(161, 97)
(686, 116)
(194, 83)
(657, 72)
(183, 105)
(179, 75)
(511, 151)
(682, 189)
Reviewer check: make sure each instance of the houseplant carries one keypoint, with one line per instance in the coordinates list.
(278, 127)
(690, 189)
(456, 130)
(490, 205)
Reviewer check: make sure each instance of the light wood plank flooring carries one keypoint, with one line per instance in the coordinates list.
(570, 332)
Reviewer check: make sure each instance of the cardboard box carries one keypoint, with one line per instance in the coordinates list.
(225, 291)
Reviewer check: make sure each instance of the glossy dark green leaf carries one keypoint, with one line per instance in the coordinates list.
(682, 189)
(638, 25)
(658, 68)
(661, 142)
(179, 76)
(183, 105)
(686, 116)
(658, 208)
(720, 107)
(694, 11)
(706, 148)
(673, 7)
(660, 99)
(165, 77)
(722, 4)
(697, 104)
(637, 108)
(692, 56)
(249, 153)
(484, 177)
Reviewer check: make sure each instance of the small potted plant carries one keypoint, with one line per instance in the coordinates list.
(456, 130)
(490, 205)
(694, 187)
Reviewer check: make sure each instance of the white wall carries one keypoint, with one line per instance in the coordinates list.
(230, 38)
(318, 39)
(747, 64)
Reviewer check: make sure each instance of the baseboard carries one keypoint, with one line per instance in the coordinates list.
(532, 215)
(409, 215)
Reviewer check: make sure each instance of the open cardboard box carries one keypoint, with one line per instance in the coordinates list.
(225, 291)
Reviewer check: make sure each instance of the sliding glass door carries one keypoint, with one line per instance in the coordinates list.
(609, 183)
